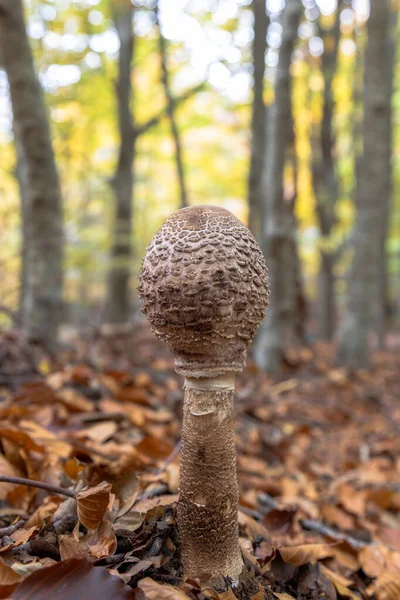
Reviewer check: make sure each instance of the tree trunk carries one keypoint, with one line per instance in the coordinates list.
(258, 118)
(275, 212)
(326, 186)
(44, 280)
(21, 174)
(171, 107)
(383, 300)
(118, 294)
(118, 302)
(373, 194)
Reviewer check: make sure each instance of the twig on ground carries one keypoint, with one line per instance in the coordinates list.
(37, 484)
(334, 534)
(11, 528)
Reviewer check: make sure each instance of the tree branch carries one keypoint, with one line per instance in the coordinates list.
(140, 129)
(37, 484)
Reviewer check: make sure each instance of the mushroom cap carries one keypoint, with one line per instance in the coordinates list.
(204, 289)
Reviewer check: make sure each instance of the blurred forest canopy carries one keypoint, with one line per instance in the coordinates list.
(172, 103)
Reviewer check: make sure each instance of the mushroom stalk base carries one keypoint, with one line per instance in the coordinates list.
(208, 488)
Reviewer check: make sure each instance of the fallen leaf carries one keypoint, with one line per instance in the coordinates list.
(74, 401)
(157, 591)
(228, 595)
(101, 432)
(372, 560)
(9, 580)
(148, 503)
(154, 448)
(92, 504)
(305, 553)
(96, 545)
(8, 469)
(387, 586)
(74, 578)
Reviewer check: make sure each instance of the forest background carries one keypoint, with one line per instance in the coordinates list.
(179, 109)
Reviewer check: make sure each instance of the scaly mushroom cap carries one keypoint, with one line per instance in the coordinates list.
(204, 289)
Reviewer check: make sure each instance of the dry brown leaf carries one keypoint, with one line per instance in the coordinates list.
(354, 501)
(341, 583)
(306, 553)
(228, 595)
(387, 586)
(97, 545)
(101, 432)
(373, 560)
(74, 578)
(8, 469)
(22, 439)
(154, 448)
(43, 512)
(92, 504)
(147, 504)
(71, 548)
(49, 440)
(103, 542)
(73, 468)
(74, 401)
(21, 536)
(284, 596)
(157, 591)
(9, 580)
(253, 527)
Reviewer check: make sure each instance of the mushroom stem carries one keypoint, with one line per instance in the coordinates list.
(208, 487)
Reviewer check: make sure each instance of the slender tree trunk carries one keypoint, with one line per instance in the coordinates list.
(275, 212)
(296, 297)
(118, 293)
(118, 304)
(383, 301)
(326, 186)
(21, 174)
(258, 118)
(171, 108)
(44, 280)
(373, 194)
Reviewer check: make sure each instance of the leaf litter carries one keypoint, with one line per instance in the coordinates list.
(318, 468)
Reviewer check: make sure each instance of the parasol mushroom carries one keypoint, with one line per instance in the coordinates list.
(204, 289)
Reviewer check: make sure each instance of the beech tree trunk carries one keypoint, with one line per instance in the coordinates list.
(276, 234)
(21, 174)
(364, 299)
(171, 107)
(43, 296)
(326, 185)
(118, 302)
(258, 118)
(118, 293)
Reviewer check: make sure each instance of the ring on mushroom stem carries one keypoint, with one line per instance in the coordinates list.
(204, 289)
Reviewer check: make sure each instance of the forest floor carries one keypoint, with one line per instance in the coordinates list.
(318, 468)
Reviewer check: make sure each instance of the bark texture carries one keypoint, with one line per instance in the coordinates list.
(118, 301)
(276, 232)
(364, 298)
(43, 297)
(258, 117)
(326, 184)
(208, 488)
(171, 109)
